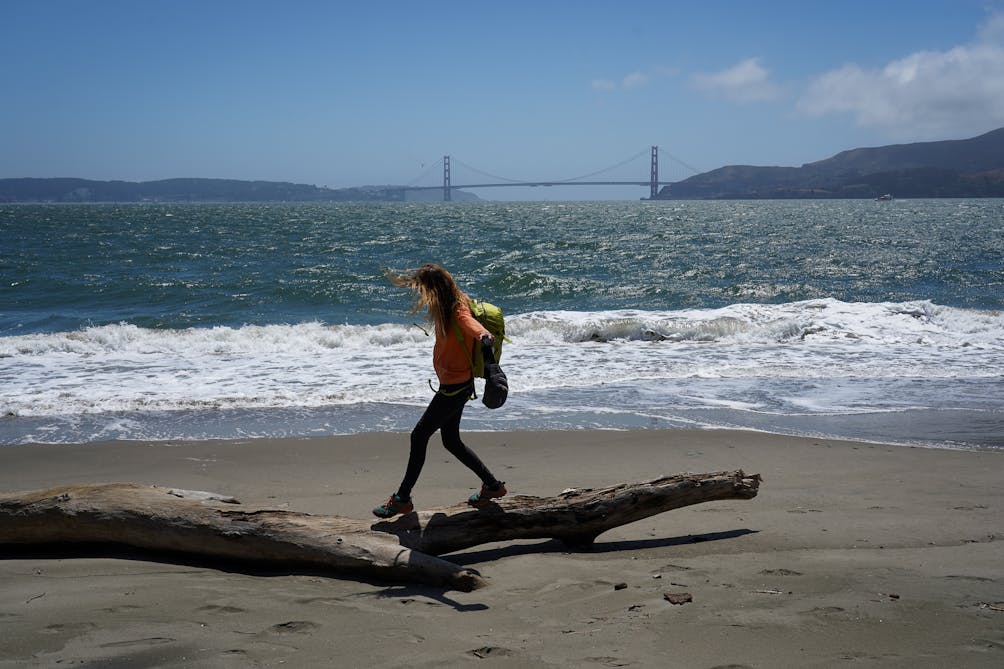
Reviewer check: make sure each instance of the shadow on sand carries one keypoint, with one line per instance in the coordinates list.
(405, 593)
(468, 558)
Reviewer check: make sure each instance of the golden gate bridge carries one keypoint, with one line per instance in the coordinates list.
(652, 182)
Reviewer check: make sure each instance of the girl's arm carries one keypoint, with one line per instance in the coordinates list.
(468, 324)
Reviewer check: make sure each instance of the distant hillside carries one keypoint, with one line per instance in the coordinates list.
(203, 190)
(954, 168)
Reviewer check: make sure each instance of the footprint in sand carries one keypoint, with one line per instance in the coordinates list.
(333, 601)
(420, 600)
(674, 567)
(826, 612)
(71, 628)
(294, 626)
(120, 609)
(963, 577)
(149, 641)
(780, 572)
(863, 655)
(491, 651)
(213, 608)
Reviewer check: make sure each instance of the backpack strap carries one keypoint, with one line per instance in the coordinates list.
(453, 393)
(463, 344)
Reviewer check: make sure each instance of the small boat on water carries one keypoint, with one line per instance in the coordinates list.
(884, 198)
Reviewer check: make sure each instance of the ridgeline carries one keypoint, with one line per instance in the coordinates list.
(29, 190)
(954, 168)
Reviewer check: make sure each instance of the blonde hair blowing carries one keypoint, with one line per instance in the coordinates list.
(434, 289)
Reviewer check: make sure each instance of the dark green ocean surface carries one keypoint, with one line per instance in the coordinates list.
(176, 266)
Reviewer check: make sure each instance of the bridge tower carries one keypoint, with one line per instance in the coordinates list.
(654, 182)
(446, 179)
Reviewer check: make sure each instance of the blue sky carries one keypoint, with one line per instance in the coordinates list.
(351, 93)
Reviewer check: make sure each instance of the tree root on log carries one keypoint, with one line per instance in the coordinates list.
(403, 549)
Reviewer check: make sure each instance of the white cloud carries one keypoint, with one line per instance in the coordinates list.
(746, 81)
(633, 80)
(993, 30)
(928, 93)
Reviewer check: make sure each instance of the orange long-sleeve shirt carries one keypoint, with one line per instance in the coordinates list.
(450, 357)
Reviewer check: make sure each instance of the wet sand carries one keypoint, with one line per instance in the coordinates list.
(853, 554)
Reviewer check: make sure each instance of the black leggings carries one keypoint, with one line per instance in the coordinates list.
(443, 414)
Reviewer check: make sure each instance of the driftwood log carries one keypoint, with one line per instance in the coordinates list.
(403, 549)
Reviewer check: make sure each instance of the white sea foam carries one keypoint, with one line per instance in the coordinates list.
(814, 357)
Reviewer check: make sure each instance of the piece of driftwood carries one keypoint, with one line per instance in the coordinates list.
(403, 549)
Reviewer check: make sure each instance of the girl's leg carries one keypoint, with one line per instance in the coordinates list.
(450, 432)
(441, 409)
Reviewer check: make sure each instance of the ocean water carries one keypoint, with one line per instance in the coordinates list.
(879, 321)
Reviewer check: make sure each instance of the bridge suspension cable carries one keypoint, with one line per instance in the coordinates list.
(680, 162)
(433, 165)
(582, 180)
(487, 174)
(611, 168)
(572, 179)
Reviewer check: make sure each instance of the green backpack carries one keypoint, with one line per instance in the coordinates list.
(491, 318)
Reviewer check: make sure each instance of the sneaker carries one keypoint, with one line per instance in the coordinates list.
(486, 495)
(393, 506)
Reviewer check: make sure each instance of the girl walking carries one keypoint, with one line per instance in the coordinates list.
(456, 331)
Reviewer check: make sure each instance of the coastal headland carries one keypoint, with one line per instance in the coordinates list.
(963, 168)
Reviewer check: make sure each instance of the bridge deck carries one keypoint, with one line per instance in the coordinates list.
(539, 183)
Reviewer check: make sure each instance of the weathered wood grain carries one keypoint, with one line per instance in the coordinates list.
(403, 549)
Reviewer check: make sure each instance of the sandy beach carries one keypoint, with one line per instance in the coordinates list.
(853, 554)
